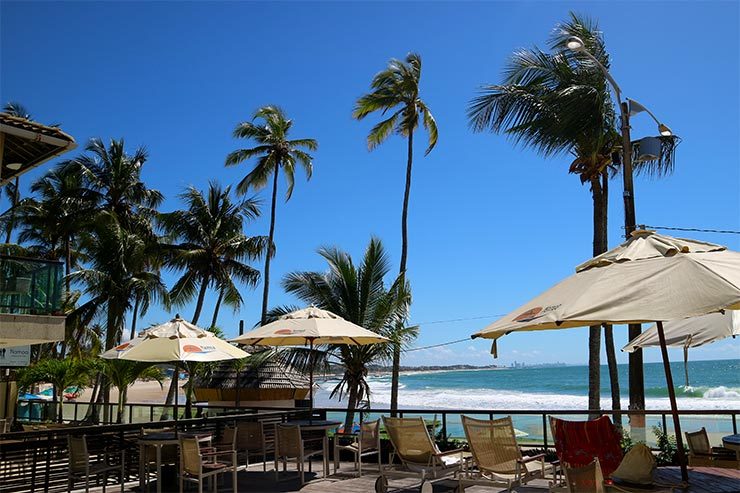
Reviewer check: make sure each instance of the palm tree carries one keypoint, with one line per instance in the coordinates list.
(61, 373)
(122, 374)
(358, 294)
(12, 191)
(556, 103)
(274, 152)
(397, 89)
(212, 248)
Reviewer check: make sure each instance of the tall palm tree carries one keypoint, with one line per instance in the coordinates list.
(122, 374)
(61, 373)
(12, 191)
(396, 89)
(275, 151)
(556, 103)
(212, 248)
(358, 294)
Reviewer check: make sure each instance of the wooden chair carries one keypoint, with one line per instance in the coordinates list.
(364, 443)
(418, 453)
(701, 453)
(583, 479)
(289, 444)
(497, 458)
(81, 467)
(251, 441)
(197, 465)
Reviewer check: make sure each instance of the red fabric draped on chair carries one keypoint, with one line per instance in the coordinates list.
(577, 443)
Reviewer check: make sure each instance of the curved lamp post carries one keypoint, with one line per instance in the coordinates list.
(626, 109)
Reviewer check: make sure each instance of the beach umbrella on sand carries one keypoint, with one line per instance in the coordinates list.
(649, 278)
(688, 333)
(176, 341)
(309, 326)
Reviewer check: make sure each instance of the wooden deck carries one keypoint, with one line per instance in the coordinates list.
(702, 480)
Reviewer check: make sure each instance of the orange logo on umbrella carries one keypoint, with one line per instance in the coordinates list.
(529, 315)
(284, 331)
(123, 346)
(191, 348)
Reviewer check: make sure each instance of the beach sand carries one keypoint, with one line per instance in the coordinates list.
(142, 392)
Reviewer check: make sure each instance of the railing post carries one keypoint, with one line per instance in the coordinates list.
(444, 426)
(544, 431)
(734, 424)
(665, 424)
(131, 414)
(151, 413)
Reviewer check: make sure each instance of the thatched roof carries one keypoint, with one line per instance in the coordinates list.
(27, 144)
(269, 375)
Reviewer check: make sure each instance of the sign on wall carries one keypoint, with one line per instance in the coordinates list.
(15, 356)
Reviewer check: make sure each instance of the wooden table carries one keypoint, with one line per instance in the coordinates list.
(159, 440)
(318, 425)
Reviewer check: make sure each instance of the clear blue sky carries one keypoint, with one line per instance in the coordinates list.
(491, 225)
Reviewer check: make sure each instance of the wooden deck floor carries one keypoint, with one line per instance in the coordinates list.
(702, 480)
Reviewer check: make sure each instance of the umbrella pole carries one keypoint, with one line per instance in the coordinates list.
(674, 408)
(310, 382)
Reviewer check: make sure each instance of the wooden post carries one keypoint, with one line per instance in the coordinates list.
(674, 409)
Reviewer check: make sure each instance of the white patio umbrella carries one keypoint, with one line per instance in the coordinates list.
(309, 326)
(689, 333)
(649, 278)
(176, 341)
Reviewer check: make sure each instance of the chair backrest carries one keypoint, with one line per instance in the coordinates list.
(190, 455)
(584, 479)
(288, 441)
(578, 443)
(79, 457)
(698, 442)
(369, 434)
(250, 435)
(228, 437)
(410, 439)
(493, 444)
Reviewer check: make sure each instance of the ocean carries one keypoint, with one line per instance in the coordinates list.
(714, 385)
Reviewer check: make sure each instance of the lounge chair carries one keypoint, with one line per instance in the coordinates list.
(364, 443)
(497, 458)
(701, 453)
(418, 454)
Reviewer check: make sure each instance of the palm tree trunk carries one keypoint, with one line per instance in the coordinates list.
(171, 393)
(14, 203)
(201, 297)
(92, 406)
(134, 314)
(351, 406)
(270, 246)
(121, 404)
(594, 336)
(192, 368)
(404, 253)
(215, 310)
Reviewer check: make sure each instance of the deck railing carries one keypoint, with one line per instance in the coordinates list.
(533, 425)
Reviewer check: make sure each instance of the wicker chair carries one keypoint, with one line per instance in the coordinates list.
(497, 458)
(251, 441)
(197, 465)
(80, 466)
(364, 443)
(289, 444)
(584, 479)
(701, 453)
(418, 454)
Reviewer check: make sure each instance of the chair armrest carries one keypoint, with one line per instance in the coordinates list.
(531, 458)
(222, 452)
(343, 434)
(451, 452)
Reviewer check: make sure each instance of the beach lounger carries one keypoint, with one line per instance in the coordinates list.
(701, 452)
(418, 454)
(497, 458)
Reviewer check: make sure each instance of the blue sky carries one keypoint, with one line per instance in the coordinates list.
(491, 225)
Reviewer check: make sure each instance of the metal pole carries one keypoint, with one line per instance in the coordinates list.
(310, 381)
(674, 409)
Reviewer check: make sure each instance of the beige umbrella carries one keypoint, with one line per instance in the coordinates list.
(309, 326)
(176, 341)
(690, 332)
(649, 278)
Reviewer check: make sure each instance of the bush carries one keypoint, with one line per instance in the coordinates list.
(667, 448)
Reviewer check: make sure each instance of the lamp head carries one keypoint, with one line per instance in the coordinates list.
(14, 166)
(664, 130)
(574, 43)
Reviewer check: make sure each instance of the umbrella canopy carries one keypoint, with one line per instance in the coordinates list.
(690, 332)
(175, 341)
(309, 326)
(651, 277)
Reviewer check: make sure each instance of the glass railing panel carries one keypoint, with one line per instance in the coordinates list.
(30, 286)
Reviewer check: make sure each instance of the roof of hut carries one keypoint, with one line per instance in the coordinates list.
(271, 374)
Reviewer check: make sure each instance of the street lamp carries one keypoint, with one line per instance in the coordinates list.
(627, 108)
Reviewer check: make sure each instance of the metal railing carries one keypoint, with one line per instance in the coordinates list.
(30, 286)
